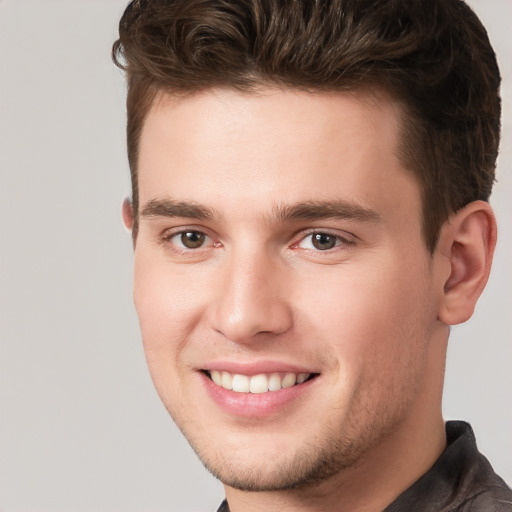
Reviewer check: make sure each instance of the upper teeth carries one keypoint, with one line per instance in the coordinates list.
(257, 383)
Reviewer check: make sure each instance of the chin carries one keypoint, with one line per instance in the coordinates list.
(253, 470)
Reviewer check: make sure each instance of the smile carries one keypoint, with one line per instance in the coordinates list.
(261, 383)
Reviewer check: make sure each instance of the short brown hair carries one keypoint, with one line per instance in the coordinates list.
(432, 55)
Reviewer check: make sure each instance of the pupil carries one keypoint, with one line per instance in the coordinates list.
(323, 241)
(192, 239)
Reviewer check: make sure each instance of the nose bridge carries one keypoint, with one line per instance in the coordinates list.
(250, 297)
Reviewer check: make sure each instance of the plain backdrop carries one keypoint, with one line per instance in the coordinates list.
(81, 428)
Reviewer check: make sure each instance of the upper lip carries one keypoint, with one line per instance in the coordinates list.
(256, 367)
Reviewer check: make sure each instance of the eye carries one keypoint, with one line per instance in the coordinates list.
(320, 241)
(188, 239)
(323, 241)
(192, 239)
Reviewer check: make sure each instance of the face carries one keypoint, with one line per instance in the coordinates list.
(287, 302)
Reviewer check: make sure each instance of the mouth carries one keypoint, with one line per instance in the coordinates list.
(257, 384)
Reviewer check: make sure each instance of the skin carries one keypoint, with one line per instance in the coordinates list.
(369, 316)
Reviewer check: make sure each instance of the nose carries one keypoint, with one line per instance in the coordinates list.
(251, 298)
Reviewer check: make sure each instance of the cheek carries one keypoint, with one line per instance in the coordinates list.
(168, 307)
(166, 299)
(374, 316)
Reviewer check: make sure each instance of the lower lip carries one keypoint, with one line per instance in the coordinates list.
(255, 404)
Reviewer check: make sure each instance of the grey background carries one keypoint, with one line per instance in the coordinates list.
(81, 428)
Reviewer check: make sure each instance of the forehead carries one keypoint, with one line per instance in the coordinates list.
(269, 147)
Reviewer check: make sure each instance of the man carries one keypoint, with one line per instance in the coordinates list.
(309, 214)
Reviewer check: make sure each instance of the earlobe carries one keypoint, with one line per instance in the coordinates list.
(468, 240)
(127, 212)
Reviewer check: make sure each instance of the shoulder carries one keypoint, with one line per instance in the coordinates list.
(482, 490)
(496, 498)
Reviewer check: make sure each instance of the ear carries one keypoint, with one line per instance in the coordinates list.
(127, 211)
(468, 240)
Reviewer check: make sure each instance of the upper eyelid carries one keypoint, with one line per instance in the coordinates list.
(169, 232)
(342, 235)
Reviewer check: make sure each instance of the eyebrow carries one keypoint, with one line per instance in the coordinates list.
(170, 208)
(318, 210)
(308, 210)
